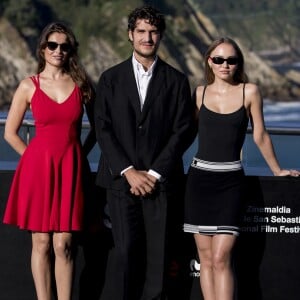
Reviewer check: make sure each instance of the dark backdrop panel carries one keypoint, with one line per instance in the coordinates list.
(267, 260)
(16, 281)
(15, 245)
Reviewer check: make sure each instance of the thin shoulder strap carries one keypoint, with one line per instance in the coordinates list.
(204, 89)
(244, 93)
(36, 80)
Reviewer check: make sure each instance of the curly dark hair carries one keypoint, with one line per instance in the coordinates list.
(149, 13)
(240, 76)
(72, 65)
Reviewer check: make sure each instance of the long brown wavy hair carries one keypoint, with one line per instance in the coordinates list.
(72, 64)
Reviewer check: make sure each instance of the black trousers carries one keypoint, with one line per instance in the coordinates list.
(136, 264)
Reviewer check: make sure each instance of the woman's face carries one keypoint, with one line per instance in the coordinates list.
(57, 49)
(223, 61)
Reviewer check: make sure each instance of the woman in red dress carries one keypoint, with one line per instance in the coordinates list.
(46, 196)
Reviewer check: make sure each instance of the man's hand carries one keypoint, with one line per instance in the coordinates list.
(141, 182)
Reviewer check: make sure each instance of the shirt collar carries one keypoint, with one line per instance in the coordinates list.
(138, 67)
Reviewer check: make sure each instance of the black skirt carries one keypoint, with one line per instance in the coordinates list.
(214, 201)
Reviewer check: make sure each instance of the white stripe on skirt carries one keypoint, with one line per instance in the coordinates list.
(211, 230)
(216, 166)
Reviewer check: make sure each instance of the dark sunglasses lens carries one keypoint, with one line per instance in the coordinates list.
(52, 45)
(232, 60)
(218, 60)
(65, 47)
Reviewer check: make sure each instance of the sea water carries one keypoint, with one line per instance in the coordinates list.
(277, 115)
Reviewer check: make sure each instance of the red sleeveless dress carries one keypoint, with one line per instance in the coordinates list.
(47, 192)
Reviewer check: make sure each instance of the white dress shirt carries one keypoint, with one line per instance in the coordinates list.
(143, 78)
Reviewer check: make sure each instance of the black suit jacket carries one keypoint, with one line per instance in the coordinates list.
(154, 138)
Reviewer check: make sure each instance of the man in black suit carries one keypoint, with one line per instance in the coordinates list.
(143, 116)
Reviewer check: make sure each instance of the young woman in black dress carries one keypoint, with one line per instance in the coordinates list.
(215, 179)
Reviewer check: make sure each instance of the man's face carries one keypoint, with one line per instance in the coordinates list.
(145, 39)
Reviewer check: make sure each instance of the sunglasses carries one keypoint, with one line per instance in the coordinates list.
(220, 60)
(65, 47)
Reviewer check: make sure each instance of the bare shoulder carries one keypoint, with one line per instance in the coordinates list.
(252, 94)
(25, 89)
(26, 84)
(198, 95)
(251, 89)
(199, 90)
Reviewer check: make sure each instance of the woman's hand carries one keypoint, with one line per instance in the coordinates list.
(292, 172)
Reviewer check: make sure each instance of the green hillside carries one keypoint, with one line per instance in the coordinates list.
(261, 25)
(266, 30)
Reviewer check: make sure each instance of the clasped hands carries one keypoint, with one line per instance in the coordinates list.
(141, 182)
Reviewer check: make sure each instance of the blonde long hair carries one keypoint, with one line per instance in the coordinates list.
(239, 76)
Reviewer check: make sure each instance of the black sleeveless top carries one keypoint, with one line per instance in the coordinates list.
(221, 136)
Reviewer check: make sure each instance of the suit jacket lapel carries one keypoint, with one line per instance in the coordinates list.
(131, 87)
